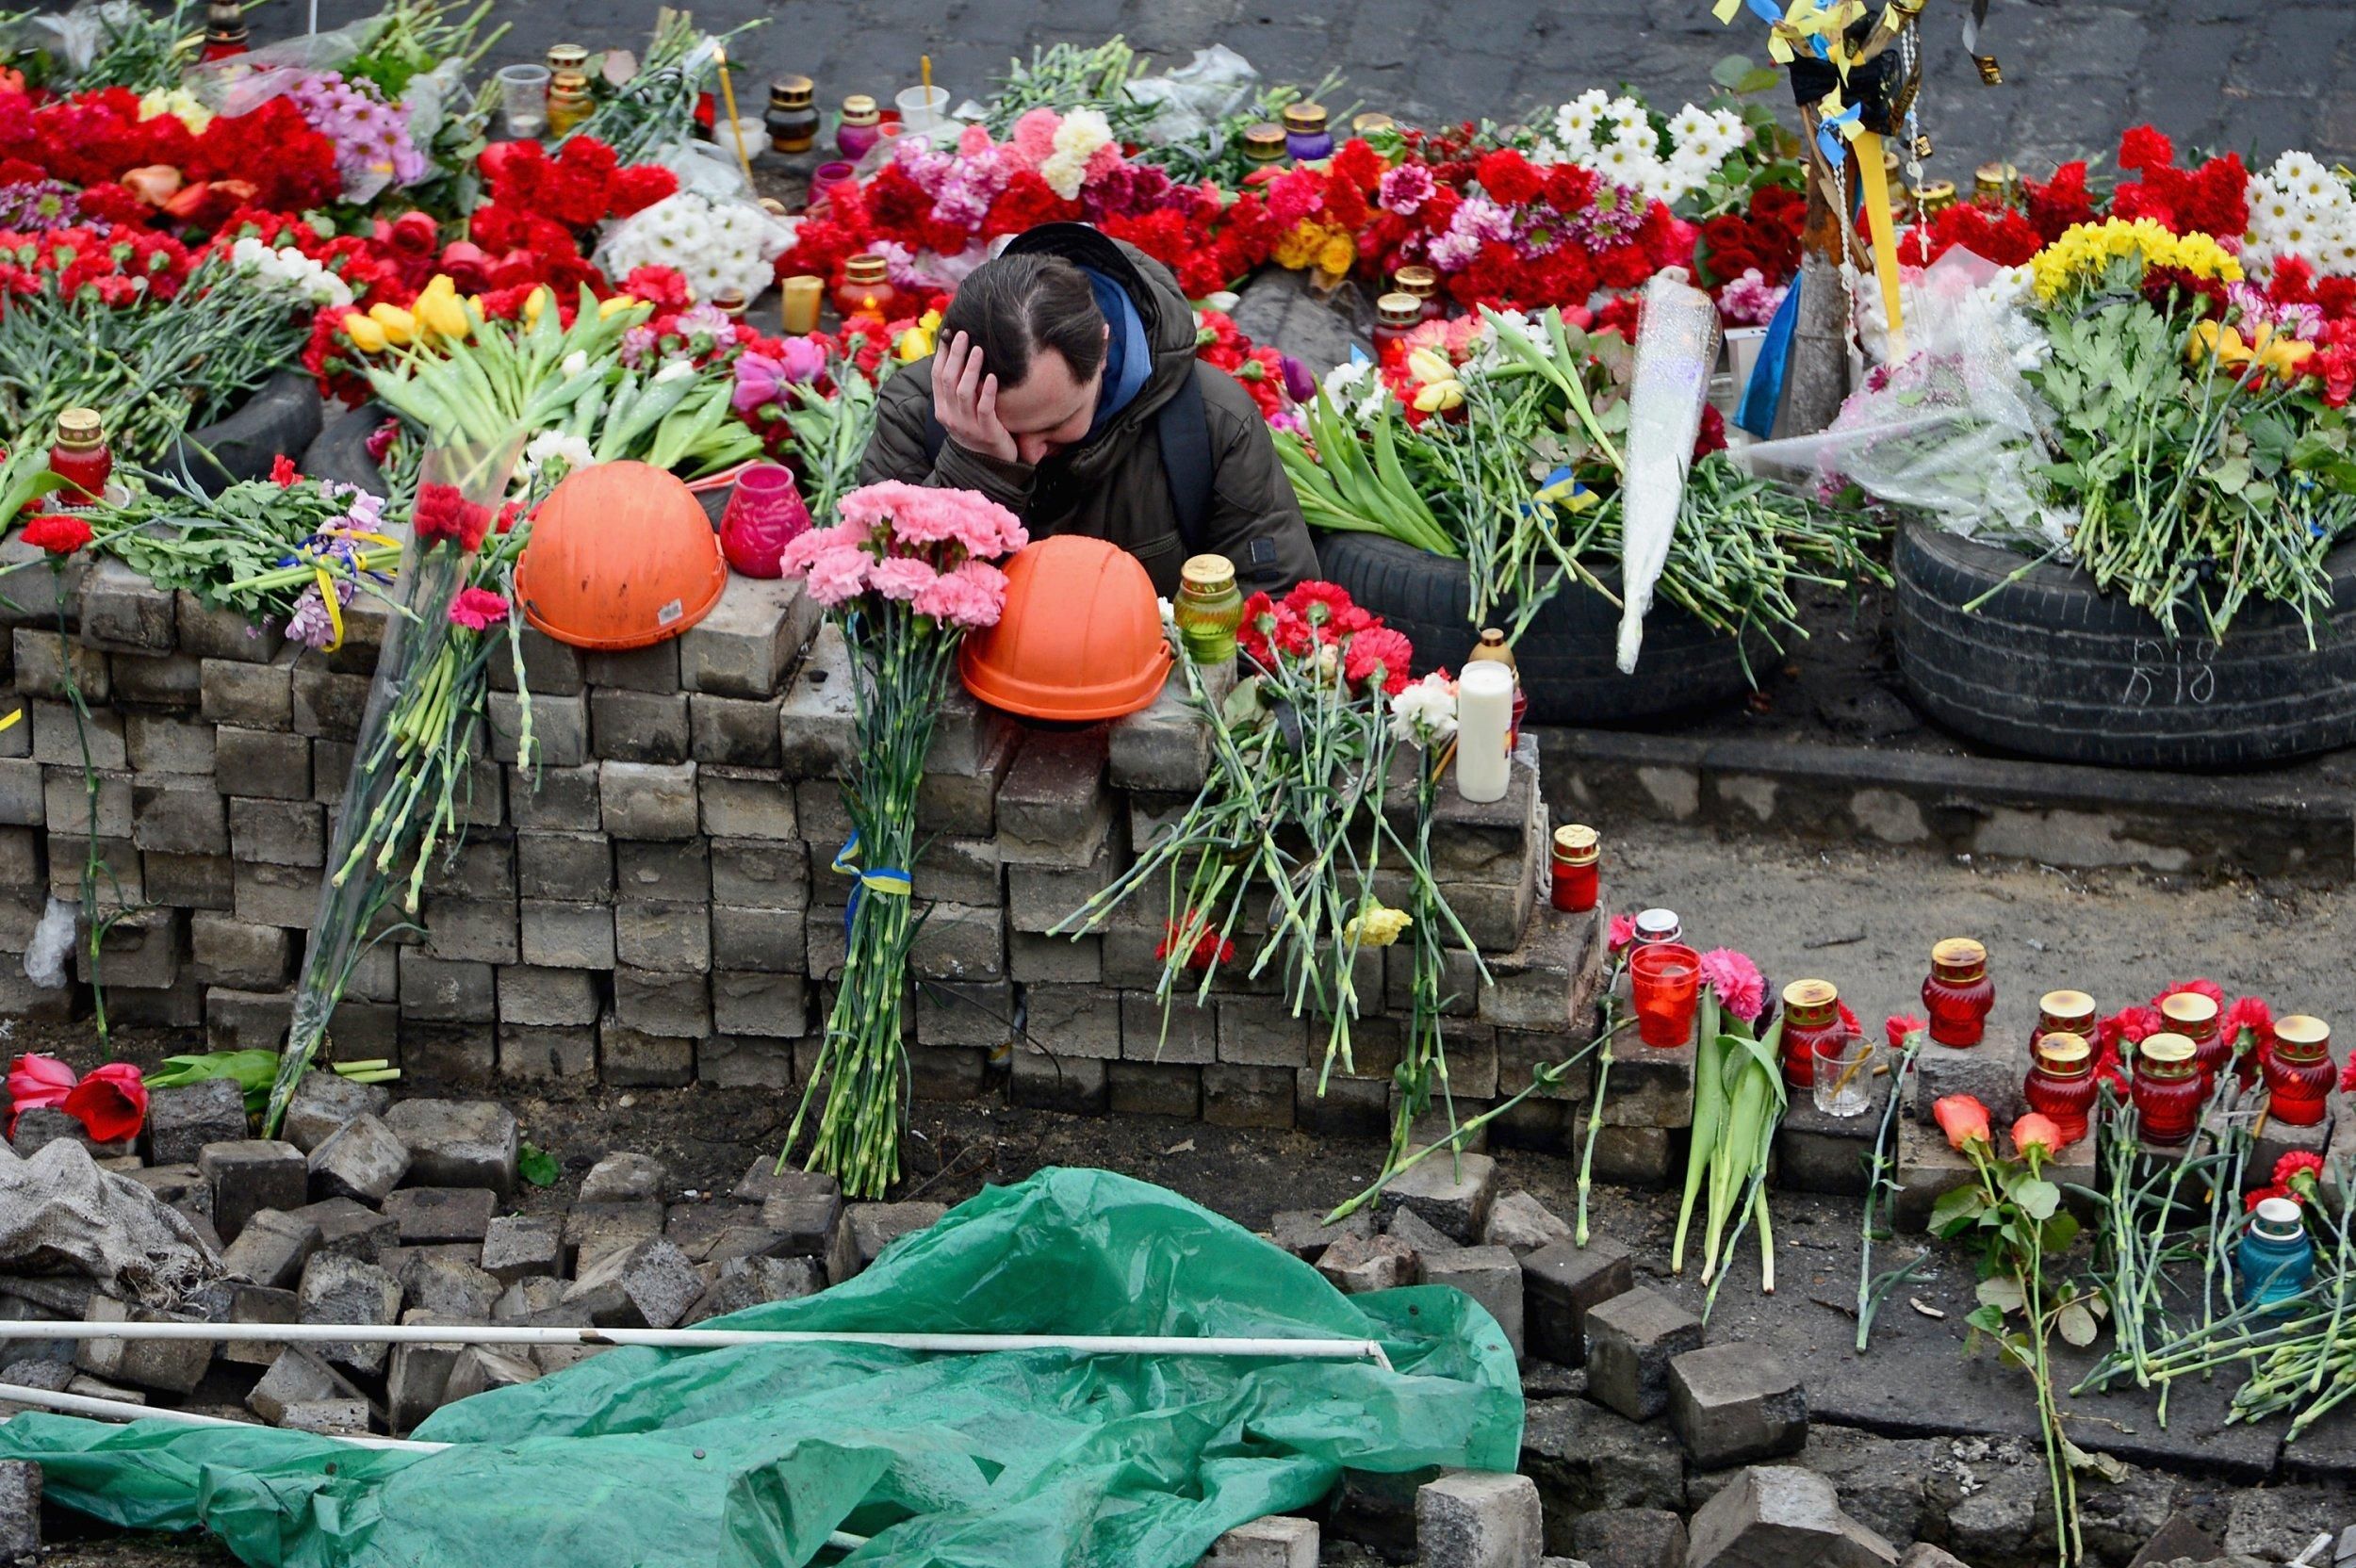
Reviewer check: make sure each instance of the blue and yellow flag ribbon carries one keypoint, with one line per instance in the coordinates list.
(890, 881)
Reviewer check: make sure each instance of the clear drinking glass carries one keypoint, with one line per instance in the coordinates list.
(524, 100)
(1844, 1075)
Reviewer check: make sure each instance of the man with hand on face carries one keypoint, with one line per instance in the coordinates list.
(1064, 386)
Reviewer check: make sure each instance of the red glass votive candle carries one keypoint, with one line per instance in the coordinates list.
(1811, 1012)
(1665, 981)
(2194, 1016)
(2168, 1090)
(1958, 993)
(1575, 880)
(2060, 1084)
(2298, 1069)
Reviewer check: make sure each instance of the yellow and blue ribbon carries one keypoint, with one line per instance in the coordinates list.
(888, 881)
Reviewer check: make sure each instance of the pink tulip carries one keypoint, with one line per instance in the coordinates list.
(35, 1081)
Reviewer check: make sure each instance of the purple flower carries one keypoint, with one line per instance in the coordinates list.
(309, 624)
(762, 379)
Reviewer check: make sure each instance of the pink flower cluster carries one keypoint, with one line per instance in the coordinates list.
(1741, 988)
(1750, 300)
(928, 548)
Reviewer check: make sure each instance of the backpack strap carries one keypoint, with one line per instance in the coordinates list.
(1185, 433)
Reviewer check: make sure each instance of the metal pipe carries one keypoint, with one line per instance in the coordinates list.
(703, 1339)
(122, 1410)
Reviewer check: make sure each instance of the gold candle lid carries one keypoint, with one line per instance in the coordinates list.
(2170, 1049)
(1398, 310)
(1422, 282)
(2301, 1029)
(1208, 571)
(1575, 844)
(1810, 994)
(1263, 142)
(1371, 121)
(1959, 952)
(1493, 646)
(1934, 195)
(1994, 179)
(866, 268)
(860, 109)
(1308, 119)
(2188, 1007)
(2066, 1005)
(2063, 1048)
(568, 56)
(791, 93)
(80, 427)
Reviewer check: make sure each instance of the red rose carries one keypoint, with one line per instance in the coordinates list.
(412, 234)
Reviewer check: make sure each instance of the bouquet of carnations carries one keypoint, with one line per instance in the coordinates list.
(905, 573)
(1290, 822)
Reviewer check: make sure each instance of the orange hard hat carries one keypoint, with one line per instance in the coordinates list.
(622, 555)
(1080, 638)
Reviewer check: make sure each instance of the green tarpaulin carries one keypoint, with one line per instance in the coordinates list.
(751, 1455)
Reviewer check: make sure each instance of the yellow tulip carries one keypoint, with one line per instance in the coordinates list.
(618, 303)
(2268, 351)
(1429, 366)
(443, 315)
(366, 334)
(534, 302)
(398, 324)
(914, 345)
(1440, 396)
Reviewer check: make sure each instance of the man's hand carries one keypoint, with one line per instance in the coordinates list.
(965, 401)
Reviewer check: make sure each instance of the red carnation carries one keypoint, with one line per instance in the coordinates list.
(2249, 1203)
(2144, 147)
(1316, 602)
(1508, 178)
(58, 532)
(445, 513)
(2298, 1171)
(1379, 656)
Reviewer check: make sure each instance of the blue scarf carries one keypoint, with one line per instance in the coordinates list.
(1127, 360)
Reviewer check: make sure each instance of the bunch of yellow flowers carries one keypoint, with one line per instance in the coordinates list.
(437, 312)
(2083, 255)
(1313, 244)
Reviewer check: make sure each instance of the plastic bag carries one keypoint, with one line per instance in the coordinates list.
(46, 955)
(76, 36)
(1953, 430)
(1676, 348)
(1196, 95)
(747, 1458)
(243, 83)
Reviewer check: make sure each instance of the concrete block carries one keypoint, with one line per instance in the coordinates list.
(168, 744)
(572, 868)
(442, 990)
(416, 1376)
(549, 665)
(648, 800)
(362, 1160)
(1054, 808)
(560, 728)
(1781, 1514)
(1180, 1032)
(966, 802)
(471, 931)
(180, 818)
(960, 941)
(324, 1102)
(967, 1014)
(480, 1368)
(1992, 1072)
(874, 1227)
(1278, 1541)
(166, 1365)
(430, 1215)
(206, 631)
(1032, 958)
(1075, 1084)
(20, 1510)
(181, 1121)
(672, 939)
(1074, 1021)
(67, 807)
(458, 1143)
(533, 1054)
(742, 1284)
(653, 668)
(640, 727)
(556, 800)
(1736, 1404)
(1154, 1088)
(439, 1280)
(250, 1175)
(1453, 1193)
(748, 803)
(547, 997)
(1490, 1275)
(522, 1247)
(1304, 1233)
(759, 874)
(194, 882)
(1631, 1339)
(674, 1004)
(297, 1376)
(1164, 747)
(1927, 1171)
(166, 682)
(745, 645)
(635, 1058)
(57, 744)
(351, 1230)
(553, 935)
(272, 1248)
(733, 731)
(1818, 1152)
(24, 799)
(1561, 1285)
(1263, 1031)
(1630, 1538)
(1522, 1224)
(328, 705)
(248, 696)
(754, 1007)
(337, 1289)
(1475, 1519)
(650, 1284)
(43, 661)
(1355, 1265)
(1239, 1096)
(227, 951)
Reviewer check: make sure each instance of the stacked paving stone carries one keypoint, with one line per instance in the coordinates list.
(375, 1212)
(655, 903)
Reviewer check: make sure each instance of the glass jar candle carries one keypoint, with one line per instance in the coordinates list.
(1263, 142)
(1933, 197)
(1395, 316)
(1208, 610)
(1992, 184)
(2194, 1016)
(81, 455)
(568, 102)
(1811, 1012)
(1424, 283)
(2061, 1084)
(1574, 868)
(524, 100)
(2276, 1259)
(1369, 122)
(1493, 648)
(2063, 1013)
(793, 118)
(568, 56)
(858, 129)
(1657, 925)
(866, 288)
(2168, 1090)
(1958, 992)
(225, 32)
(2298, 1069)
(1306, 140)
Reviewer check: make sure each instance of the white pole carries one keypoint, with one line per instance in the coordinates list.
(122, 1410)
(703, 1339)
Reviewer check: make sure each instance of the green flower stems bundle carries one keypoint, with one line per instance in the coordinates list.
(1881, 1191)
(830, 433)
(654, 109)
(1738, 1100)
(414, 751)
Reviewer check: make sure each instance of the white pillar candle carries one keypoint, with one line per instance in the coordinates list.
(1484, 724)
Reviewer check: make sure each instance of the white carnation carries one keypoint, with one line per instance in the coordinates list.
(556, 446)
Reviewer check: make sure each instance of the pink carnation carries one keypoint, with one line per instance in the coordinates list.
(806, 546)
(1737, 981)
(1405, 190)
(1034, 135)
(1103, 162)
(919, 514)
(974, 141)
(969, 597)
(838, 574)
(901, 577)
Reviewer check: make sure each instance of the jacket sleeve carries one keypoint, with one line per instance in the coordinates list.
(896, 447)
(1255, 519)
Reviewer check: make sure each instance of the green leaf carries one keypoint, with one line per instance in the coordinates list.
(1731, 69)
(2099, 1465)
(1243, 705)
(1988, 1321)
(2038, 1200)
(2003, 1293)
(2075, 1324)
(537, 1166)
(1955, 1210)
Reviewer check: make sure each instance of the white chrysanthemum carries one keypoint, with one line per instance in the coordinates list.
(1730, 126)
(1576, 121)
(1690, 124)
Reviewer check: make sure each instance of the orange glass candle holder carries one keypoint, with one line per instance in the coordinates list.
(1665, 980)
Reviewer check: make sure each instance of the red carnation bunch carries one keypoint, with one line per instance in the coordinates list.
(2002, 234)
(1765, 236)
(1316, 616)
(2212, 198)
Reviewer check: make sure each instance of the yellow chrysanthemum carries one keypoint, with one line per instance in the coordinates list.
(1338, 253)
(1299, 247)
(2083, 255)
(181, 104)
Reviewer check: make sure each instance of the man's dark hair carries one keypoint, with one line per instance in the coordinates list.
(1015, 306)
